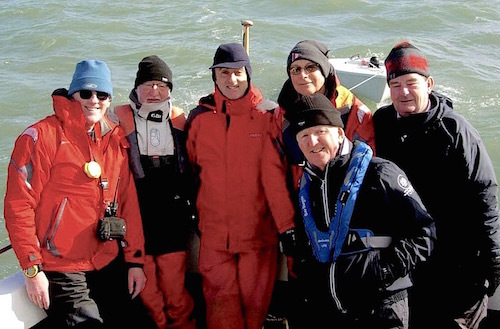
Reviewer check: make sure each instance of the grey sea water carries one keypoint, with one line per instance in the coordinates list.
(41, 41)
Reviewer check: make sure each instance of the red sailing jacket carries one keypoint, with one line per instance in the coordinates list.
(52, 207)
(242, 201)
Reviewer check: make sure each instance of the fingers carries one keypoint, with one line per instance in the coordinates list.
(136, 287)
(45, 302)
(136, 281)
(40, 300)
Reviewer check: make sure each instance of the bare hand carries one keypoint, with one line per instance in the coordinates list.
(136, 281)
(38, 290)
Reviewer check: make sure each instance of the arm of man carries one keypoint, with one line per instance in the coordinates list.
(128, 209)
(28, 173)
(414, 230)
(275, 184)
(483, 199)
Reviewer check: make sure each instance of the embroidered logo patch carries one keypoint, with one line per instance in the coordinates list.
(295, 56)
(405, 185)
(155, 116)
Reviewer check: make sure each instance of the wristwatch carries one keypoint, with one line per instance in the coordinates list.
(32, 271)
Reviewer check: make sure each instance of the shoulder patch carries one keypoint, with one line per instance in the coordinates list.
(405, 184)
(32, 132)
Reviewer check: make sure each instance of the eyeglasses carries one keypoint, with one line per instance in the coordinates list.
(87, 94)
(309, 68)
(159, 85)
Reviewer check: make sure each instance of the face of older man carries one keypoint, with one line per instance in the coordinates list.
(320, 144)
(153, 92)
(410, 93)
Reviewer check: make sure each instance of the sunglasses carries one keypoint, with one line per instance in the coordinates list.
(87, 94)
(309, 68)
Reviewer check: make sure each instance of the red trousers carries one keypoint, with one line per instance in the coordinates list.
(165, 295)
(237, 286)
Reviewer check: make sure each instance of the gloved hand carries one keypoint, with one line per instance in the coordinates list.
(494, 278)
(288, 242)
(384, 266)
(289, 247)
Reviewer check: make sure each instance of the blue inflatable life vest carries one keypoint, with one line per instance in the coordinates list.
(327, 246)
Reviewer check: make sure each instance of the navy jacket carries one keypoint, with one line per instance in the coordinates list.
(387, 205)
(447, 162)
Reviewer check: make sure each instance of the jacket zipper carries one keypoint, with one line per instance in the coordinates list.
(51, 232)
(333, 290)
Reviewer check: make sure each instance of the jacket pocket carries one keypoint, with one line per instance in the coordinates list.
(49, 237)
(72, 230)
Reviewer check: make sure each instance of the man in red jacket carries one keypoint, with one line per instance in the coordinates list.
(242, 201)
(67, 172)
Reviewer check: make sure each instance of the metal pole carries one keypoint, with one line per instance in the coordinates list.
(246, 34)
(4, 249)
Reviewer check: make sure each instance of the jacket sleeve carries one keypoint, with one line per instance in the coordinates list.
(28, 172)
(414, 233)
(275, 183)
(483, 199)
(191, 130)
(130, 211)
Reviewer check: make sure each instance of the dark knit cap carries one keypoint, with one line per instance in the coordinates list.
(310, 111)
(405, 58)
(312, 50)
(233, 56)
(153, 68)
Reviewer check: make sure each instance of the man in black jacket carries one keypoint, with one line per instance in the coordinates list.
(366, 227)
(444, 157)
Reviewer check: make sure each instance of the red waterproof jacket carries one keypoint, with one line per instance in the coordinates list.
(52, 207)
(242, 200)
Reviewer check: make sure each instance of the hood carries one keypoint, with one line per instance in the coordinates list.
(69, 112)
(288, 95)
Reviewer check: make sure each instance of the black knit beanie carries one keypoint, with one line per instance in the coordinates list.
(405, 58)
(153, 68)
(312, 50)
(310, 111)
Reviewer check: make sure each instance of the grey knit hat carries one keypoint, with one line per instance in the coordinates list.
(314, 51)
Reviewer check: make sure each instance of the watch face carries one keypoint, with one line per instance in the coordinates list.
(31, 271)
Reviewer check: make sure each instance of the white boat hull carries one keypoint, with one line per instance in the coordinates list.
(16, 309)
(364, 80)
